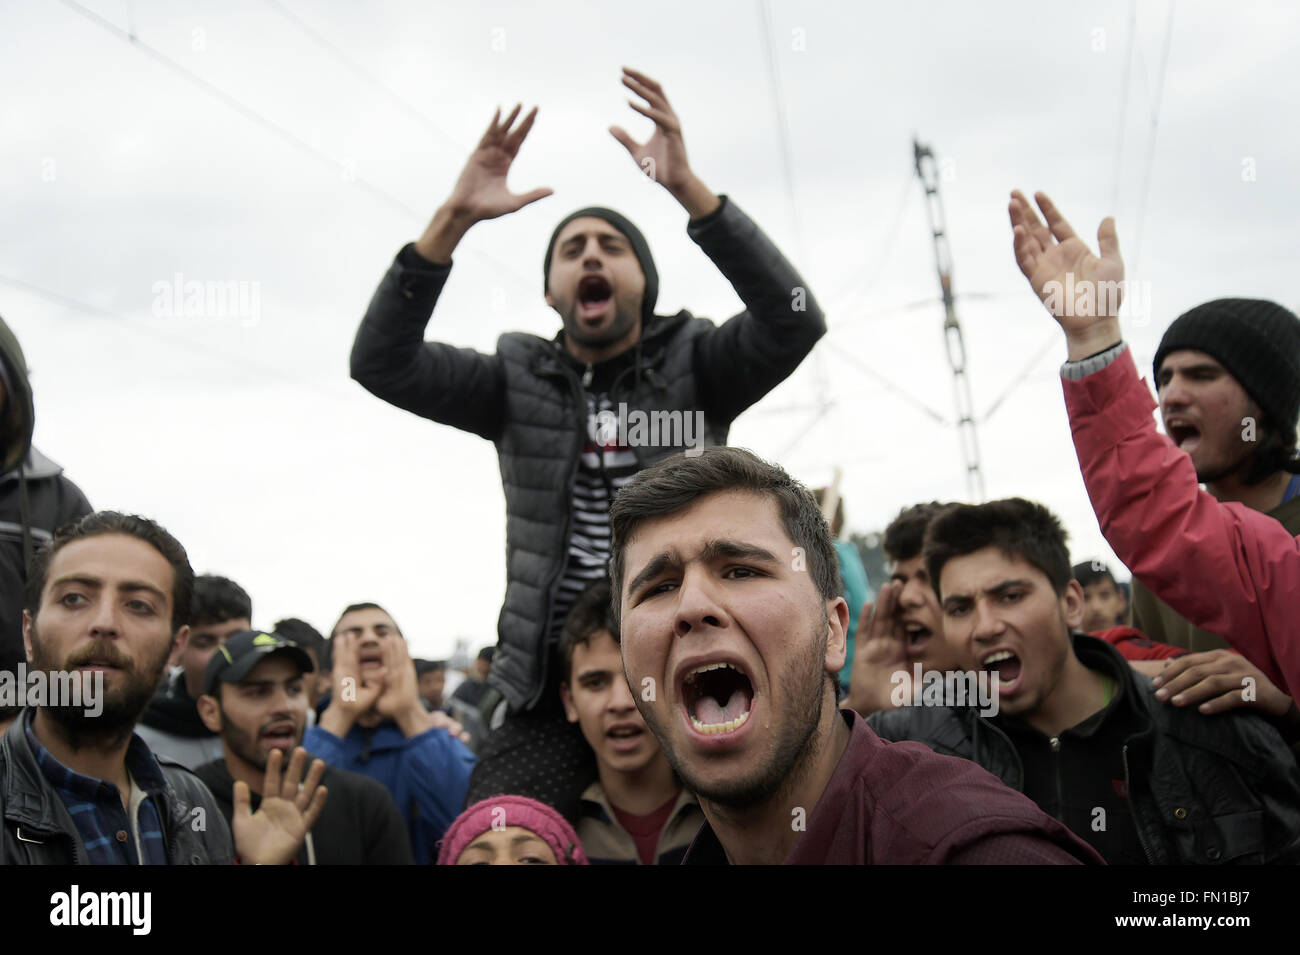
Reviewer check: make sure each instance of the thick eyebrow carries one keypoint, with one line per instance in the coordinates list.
(712, 551)
(995, 590)
(593, 671)
(580, 239)
(94, 583)
(1007, 585)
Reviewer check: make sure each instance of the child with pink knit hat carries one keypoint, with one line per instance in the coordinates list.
(511, 830)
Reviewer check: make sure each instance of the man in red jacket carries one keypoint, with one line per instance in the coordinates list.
(1228, 568)
(732, 632)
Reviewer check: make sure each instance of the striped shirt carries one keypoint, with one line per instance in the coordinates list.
(109, 835)
(604, 467)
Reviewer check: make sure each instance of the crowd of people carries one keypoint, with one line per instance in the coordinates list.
(691, 666)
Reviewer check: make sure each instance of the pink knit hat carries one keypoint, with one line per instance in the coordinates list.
(520, 811)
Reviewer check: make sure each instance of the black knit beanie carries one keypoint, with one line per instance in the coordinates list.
(1257, 341)
(639, 248)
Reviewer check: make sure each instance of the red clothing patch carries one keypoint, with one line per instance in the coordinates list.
(1133, 644)
(645, 830)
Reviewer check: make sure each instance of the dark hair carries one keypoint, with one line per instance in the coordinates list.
(905, 535)
(352, 608)
(590, 613)
(1016, 527)
(487, 654)
(1276, 451)
(428, 666)
(301, 633)
(218, 599)
(675, 483)
(113, 522)
(1093, 572)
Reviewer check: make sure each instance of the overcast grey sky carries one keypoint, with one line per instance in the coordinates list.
(294, 147)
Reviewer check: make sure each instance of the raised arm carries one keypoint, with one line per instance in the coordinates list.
(1228, 569)
(756, 350)
(455, 386)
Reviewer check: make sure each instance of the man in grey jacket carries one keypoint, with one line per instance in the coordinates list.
(575, 417)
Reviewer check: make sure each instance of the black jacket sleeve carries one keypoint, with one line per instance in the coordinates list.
(753, 352)
(456, 386)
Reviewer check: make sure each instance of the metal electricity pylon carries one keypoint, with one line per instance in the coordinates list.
(927, 171)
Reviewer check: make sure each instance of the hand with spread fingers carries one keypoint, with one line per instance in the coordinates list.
(400, 700)
(274, 834)
(663, 156)
(1081, 290)
(481, 191)
(1217, 681)
(879, 651)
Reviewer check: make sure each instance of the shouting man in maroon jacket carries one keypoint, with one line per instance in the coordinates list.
(732, 627)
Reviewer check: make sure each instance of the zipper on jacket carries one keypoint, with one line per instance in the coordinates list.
(553, 588)
(1128, 781)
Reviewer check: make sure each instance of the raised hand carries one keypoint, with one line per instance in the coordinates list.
(400, 700)
(1081, 290)
(879, 651)
(352, 694)
(481, 191)
(663, 156)
(273, 834)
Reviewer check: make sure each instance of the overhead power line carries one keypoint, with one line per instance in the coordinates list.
(282, 133)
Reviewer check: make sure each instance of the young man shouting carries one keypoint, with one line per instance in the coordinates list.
(1077, 729)
(566, 413)
(376, 725)
(255, 699)
(731, 620)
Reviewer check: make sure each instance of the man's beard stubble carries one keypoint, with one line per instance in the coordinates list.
(122, 705)
(794, 749)
(618, 329)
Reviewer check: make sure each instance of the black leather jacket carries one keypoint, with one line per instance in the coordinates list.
(1205, 790)
(39, 831)
(527, 398)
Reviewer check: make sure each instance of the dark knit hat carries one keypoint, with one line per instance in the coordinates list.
(639, 248)
(1257, 341)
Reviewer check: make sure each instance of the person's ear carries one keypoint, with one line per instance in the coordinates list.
(550, 300)
(1072, 605)
(27, 634)
(566, 698)
(210, 712)
(837, 611)
(178, 645)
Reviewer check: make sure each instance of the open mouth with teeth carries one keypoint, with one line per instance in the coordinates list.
(594, 296)
(718, 697)
(1007, 666)
(1185, 436)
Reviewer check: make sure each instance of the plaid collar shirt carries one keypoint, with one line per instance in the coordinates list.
(102, 822)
